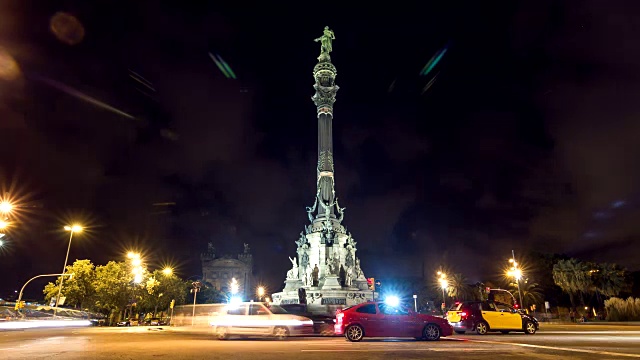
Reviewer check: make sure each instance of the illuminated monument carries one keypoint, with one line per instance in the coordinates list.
(326, 270)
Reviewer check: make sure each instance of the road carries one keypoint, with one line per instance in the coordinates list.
(551, 342)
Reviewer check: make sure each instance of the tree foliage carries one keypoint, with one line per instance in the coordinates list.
(78, 289)
(109, 289)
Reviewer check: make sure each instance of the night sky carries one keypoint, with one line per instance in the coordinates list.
(527, 139)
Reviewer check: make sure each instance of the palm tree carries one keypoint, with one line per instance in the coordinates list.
(573, 277)
(531, 293)
(608, 279)
(458, 288)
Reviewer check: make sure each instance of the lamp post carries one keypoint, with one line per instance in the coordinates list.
(516, 273)
(415, 302)
(71, 229)
(33, 278)
(196, 287)
(442, 279)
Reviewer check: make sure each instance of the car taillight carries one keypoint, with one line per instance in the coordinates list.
(463, 316)
(337, 327)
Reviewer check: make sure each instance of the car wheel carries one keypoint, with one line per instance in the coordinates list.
(281, 333)
(529, 328)
(222, 333)
(460, 332)
(354, 333)
(431, 332)
(482, 328)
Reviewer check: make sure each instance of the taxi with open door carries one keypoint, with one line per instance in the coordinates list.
(485, 316)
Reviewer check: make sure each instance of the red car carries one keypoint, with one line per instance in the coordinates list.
(379, 319)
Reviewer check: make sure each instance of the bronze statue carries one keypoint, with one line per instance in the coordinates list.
(326, 41)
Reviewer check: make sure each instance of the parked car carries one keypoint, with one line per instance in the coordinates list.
(379, 319)
(256, 319)
(485, 316)
(322, 323)
(128, 322)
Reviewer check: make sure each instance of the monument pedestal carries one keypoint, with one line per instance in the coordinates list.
(292, 284)
(331, 283)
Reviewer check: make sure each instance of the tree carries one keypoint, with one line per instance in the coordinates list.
(208, 294)
(160, 289)
(458, 288)
(112, 287)
(531, 293)
(573, 277)
(608, 279)
(78, 289)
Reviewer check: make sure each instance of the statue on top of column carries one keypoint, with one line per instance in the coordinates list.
(326, 41)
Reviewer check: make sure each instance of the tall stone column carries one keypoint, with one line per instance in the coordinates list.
(324, 74)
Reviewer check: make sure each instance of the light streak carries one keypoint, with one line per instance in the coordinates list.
(32, 324)
(77, 94)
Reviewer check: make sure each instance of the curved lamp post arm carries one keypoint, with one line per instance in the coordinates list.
(35, 277)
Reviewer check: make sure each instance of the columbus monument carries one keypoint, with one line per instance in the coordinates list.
(325, 270)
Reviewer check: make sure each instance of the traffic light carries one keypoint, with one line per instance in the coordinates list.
(173, 302)
(372, 284)
(19, 305)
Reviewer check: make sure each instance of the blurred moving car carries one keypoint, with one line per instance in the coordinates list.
(322, 324)
(485, 316)
(256, 319)
(378, 319)
(128, 322)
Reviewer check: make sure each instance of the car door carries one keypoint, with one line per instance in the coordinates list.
(396, 321)
(236, 319)
(259, 320)
(509, 316)
(492, 316)
(368, 316)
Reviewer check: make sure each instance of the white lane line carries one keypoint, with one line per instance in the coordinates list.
(398, 350)
(587, 351)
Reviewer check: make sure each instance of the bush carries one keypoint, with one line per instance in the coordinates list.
(622, 310)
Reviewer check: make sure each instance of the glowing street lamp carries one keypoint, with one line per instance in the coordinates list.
(234, 286)
(444, 283)
(3, 224)
(71, 229)
(5, 207)
(516, 273)
(260, 291)
(167, 271)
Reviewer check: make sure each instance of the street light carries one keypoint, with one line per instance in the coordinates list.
(444, 283)
(5, 207)
(234, 286)
(167, 271)
(71, 229)
(516, 273)
(260, 291)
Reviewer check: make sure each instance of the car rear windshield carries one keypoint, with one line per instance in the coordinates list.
(456, 307)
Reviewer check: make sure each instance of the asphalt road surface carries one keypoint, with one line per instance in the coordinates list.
(552, 342)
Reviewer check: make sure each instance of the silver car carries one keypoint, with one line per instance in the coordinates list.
(259, 319)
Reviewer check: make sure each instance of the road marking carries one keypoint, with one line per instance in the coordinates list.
(587, 351)
(396, 350)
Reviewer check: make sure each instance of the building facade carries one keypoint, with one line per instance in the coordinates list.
(220, 271)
